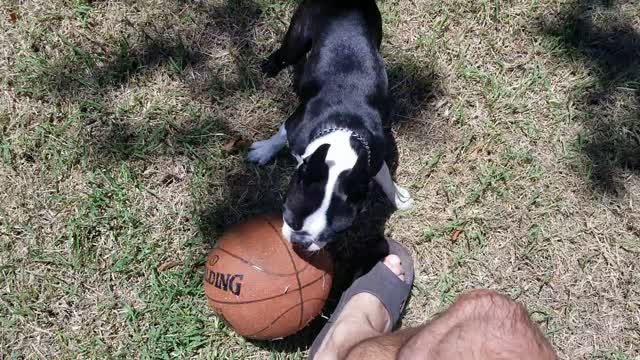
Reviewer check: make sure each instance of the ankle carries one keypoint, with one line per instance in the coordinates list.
(346, 333)
(376, 314)
(362, 318)
(366, 310)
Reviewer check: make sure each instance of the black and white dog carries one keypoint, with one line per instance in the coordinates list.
(336, 132)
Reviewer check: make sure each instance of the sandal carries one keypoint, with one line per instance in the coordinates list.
(380, 282)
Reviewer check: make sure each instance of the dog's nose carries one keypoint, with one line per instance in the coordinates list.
(305, 242)
(301, 239)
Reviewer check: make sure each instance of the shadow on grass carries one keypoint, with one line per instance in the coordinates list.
(601, 35)
(86, 75)
(412, 85)
(90, 68)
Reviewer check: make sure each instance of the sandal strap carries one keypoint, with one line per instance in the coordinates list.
(380, 282)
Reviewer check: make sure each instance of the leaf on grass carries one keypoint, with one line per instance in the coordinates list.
(168, 265)
(455, 234)
(13, 17)
(233, 144)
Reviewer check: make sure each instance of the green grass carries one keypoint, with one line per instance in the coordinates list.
(517, 132)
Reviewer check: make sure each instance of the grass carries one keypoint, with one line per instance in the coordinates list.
(516, 123)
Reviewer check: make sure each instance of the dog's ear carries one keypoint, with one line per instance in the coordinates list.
(315, 167)
(357, 183)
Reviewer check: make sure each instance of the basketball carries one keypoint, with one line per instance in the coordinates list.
(257, 283)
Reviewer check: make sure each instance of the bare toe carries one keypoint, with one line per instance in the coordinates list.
(394, 264)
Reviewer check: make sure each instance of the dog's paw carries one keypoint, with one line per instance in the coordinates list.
(271, 66)
(403, 200)
(269, 69)
(262, 152)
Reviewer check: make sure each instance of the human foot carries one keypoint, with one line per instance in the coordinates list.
(365, 306)
(363, 316)
(370, 307)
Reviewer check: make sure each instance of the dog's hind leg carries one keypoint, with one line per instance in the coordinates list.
(263, 151)
(397, 195)
(296, 43)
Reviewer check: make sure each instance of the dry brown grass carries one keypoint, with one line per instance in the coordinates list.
(517, 127)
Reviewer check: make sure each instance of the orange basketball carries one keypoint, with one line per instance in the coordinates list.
(260, 286)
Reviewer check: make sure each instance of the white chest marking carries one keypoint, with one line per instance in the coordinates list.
(340, 157)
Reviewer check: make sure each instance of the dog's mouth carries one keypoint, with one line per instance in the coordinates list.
(313, 247)
(301, 240)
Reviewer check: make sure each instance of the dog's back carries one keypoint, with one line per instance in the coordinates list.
(344, 58)
(343, 82)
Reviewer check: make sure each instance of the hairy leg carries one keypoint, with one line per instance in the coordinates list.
(481, 324)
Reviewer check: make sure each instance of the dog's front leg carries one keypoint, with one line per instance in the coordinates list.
(397, 195)
(263, 151)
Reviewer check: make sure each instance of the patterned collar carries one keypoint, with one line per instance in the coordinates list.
(358, 137)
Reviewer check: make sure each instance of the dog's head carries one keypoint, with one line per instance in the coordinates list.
(327, 191)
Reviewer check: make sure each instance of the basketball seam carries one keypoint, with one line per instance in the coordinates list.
(282, 314)
(263, 299)
(256, 267)
(295, 268)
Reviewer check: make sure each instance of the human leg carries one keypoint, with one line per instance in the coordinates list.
(481, 324)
